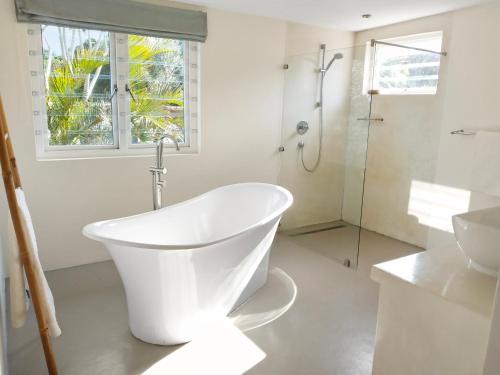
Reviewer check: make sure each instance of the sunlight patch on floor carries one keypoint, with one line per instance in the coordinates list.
(220, 349)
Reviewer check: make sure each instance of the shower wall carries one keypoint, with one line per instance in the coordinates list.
(356, 141)
(403, 150)
(317, 196)
(417, 174)
(376, 189)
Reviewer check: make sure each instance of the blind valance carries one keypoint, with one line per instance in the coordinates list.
(116, 16)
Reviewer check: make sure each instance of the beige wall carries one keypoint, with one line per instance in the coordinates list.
(302, 39)
(242, 80)
(471, 102)
(414, 144)
(403, 148)
(469, 99)
(3, 316)
(492, 362)
(356, 141)
(318, 195)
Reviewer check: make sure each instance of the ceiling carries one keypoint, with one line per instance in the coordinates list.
(340, 14)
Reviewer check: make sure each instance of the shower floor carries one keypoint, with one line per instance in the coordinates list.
(337, 240)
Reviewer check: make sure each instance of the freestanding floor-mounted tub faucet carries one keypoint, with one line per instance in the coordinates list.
(159, 169)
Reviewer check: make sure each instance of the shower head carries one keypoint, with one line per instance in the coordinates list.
(337, 56)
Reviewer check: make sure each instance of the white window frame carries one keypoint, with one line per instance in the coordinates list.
(370, 62)
(122, 146)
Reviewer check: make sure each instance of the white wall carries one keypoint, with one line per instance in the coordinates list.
(318, 195)
(242, 80)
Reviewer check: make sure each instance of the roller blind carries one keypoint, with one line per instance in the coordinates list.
(117, 16)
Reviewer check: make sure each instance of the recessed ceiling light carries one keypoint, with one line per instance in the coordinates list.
(366, 15)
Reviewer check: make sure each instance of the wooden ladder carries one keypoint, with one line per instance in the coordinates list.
(12, 180)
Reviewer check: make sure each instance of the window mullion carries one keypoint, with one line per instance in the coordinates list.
(192, 94)
(115, 101)
(121, 68)
(35, 62)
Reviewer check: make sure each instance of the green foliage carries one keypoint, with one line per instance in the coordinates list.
(397, 71)
(156, 81)
(78, 87)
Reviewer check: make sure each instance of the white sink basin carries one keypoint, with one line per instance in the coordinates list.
(478, 235)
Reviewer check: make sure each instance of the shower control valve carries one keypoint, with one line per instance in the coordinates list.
(302, 127)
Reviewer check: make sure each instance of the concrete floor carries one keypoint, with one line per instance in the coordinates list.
(345, 239)
(329, 329)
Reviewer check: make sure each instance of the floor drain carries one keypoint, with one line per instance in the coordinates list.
(311, 231)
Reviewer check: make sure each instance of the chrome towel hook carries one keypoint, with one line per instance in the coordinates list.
(463, 132)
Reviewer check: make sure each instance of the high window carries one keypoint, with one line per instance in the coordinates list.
(97, 93)
(399, 71)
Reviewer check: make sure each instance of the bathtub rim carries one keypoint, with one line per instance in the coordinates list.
(88, 231)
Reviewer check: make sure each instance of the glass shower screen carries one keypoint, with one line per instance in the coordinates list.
(326, 122)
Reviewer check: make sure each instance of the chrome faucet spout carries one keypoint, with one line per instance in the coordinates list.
(159, 170)
(159, 148)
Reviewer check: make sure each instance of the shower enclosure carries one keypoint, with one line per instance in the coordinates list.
(348, 167)
(326, 120)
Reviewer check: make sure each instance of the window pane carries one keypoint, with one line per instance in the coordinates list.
(156, 81)
(77, 86)
(403, 70)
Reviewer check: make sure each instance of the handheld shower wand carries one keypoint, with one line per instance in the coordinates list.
(323, 70)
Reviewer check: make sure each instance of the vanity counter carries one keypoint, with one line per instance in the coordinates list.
(445, 275)
(434, 315)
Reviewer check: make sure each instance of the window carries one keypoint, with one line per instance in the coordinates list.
(398, 70)
(98, 94)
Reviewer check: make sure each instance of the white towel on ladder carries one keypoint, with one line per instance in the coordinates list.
(18, 316)
(17, 285)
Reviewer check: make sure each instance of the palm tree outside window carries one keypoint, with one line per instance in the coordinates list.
(106, 90)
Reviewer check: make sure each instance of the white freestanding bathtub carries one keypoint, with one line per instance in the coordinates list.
(185, 264)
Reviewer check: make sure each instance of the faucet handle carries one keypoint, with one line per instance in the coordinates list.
(154, 169)
(161, 183)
